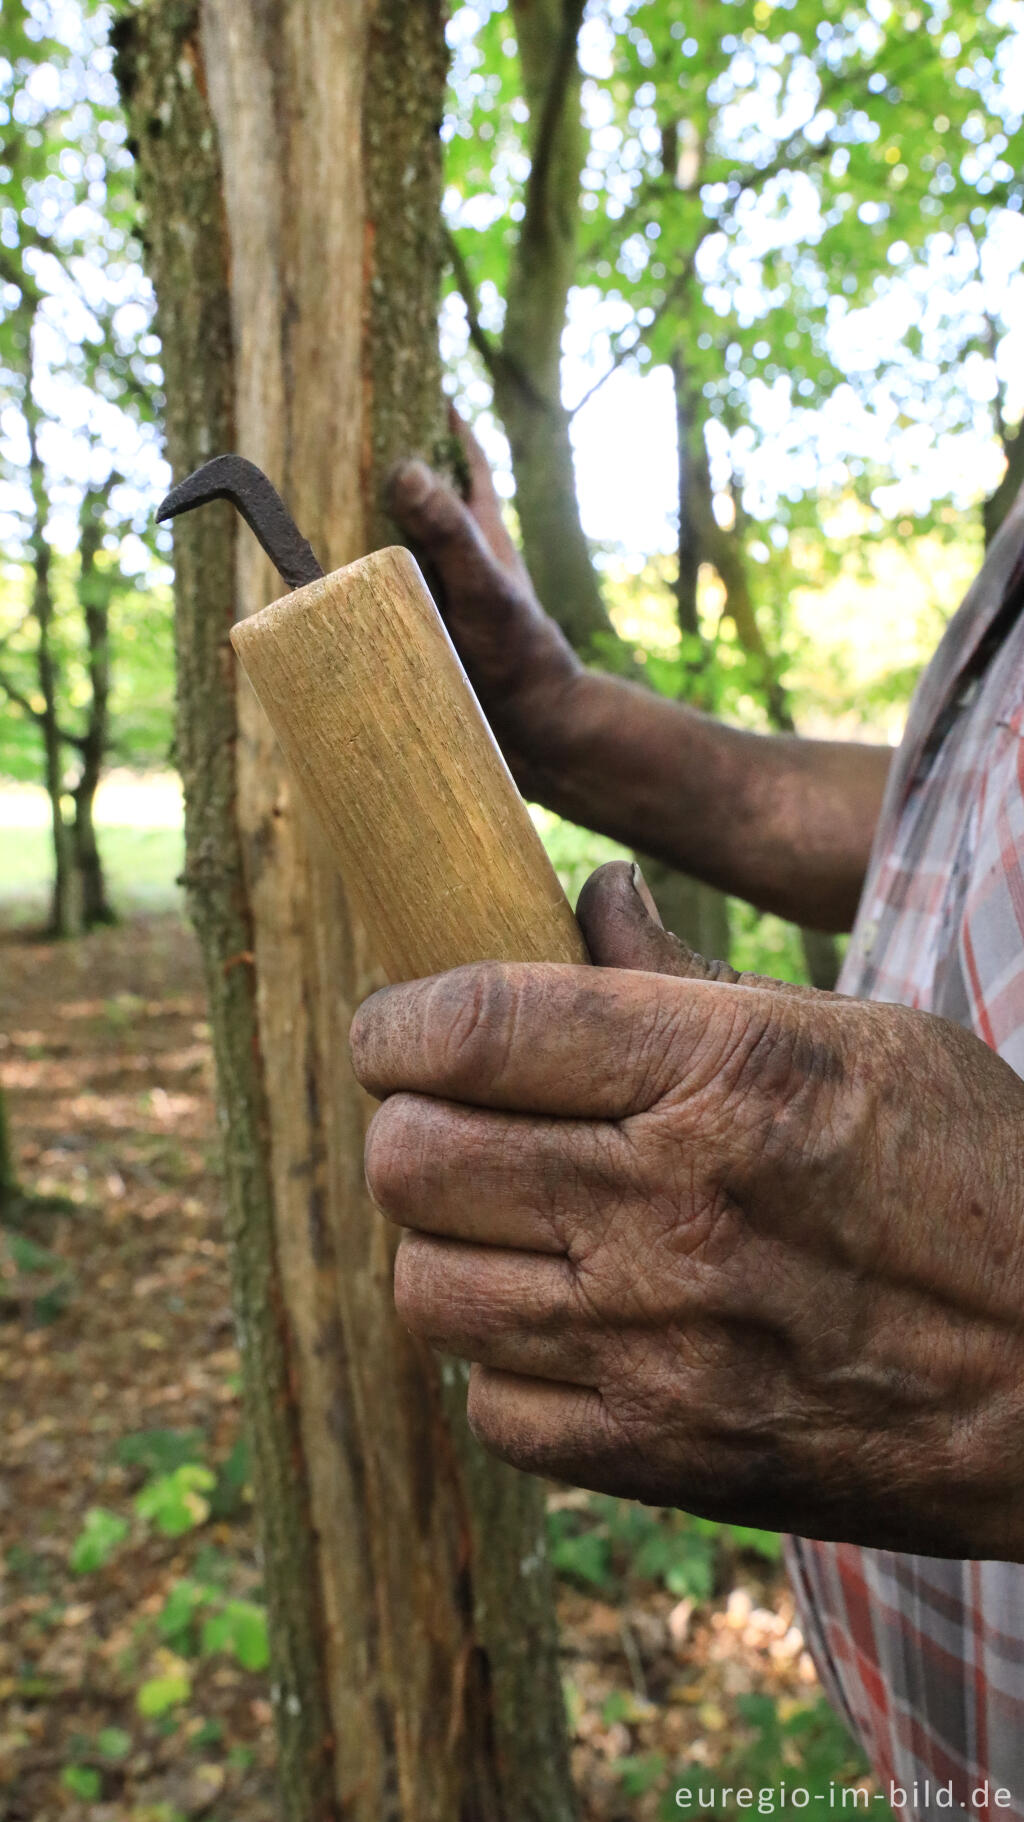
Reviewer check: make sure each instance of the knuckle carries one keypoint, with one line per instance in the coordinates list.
(484, 1410)
(471, 1017)
(393, 1156)
(418, 1289)
(652, 1045)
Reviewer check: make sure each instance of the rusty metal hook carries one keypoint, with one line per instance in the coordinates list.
(232, 477)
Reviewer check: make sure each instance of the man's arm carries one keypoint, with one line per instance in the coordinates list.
(783, 822)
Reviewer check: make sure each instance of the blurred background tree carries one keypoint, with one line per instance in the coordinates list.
(77, 445)
(802, 219)
(735, 302)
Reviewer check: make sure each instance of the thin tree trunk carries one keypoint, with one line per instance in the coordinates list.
(290, 170)
(93, 597)
(10, 1194)
(692, 909)
(527, 371)
(703, 540)
(64, 911)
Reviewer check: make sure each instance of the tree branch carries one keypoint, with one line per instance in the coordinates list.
(999, 402)
(552, 111)
(487, 349)
(22, 702)
(672, 293)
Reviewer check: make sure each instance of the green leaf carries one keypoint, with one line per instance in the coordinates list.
(640, 1774)
(175, 1502)
(241, 1629)
(113, 1743)
(176, 1620)
(100, 1536)
(161, 1693)
(82, 1781)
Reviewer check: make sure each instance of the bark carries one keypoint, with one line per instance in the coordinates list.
(289, 166)
(94, 601)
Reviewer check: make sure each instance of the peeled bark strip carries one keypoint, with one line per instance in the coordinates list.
(290, 169)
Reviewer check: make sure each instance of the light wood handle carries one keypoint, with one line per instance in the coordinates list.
(381, 728)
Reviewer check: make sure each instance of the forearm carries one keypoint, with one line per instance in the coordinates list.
(783, 822)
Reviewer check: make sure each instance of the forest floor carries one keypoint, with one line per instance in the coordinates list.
(132, 1645)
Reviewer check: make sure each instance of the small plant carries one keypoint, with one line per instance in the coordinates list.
(82, 1781)
(168, 1689)
(176, 1502)
(33, 1278)
(608, 1538)
(641, 1773)
(197, 1620)
(102, 1533)
(160, 1451)
(177, 1623)
(113, 1743)
(799, 1744)
(241, 1629)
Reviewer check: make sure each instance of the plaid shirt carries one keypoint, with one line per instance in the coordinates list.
(924, 1657)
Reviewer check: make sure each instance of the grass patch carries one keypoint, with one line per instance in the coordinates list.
(141, 866)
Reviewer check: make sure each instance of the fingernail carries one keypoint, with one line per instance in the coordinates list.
(643, 892)
(411, 482)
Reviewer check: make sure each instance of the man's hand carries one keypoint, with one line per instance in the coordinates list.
(745, 1249)
(519, 663)
(785, 823)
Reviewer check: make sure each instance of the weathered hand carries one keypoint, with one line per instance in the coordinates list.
(753, 1251)
(519, 663)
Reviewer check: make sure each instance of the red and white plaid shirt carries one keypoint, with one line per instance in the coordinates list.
(924, 1657)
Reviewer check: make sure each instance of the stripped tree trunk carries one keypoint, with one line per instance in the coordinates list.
(289, 164)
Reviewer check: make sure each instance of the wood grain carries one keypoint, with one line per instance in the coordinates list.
(381, 728)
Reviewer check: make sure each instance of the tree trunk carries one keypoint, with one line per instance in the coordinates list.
(692, 909)
(527, 370)
(92, 886)
(703, 540)
(64, 909)
(10, 1194)
(93, 598)
(289, 165)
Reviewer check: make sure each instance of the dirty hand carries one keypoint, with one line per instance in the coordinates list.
(749, 1250)
(519, 663)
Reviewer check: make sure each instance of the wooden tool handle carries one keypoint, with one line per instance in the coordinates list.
(378, 722)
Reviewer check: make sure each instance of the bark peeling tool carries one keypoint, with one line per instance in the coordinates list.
(390, 749)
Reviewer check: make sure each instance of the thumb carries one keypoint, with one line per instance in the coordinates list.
(622, 929)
